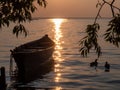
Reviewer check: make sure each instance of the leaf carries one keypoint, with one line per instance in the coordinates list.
(18, 11)
(90, 40)
(42, 2)
(112, 34)
(18, 29)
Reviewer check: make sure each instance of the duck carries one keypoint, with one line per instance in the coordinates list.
(94, 64)
(107, 67)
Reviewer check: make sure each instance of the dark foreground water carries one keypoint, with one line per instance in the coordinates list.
(71, 71)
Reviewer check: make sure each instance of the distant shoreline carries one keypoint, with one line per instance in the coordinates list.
(35, 18)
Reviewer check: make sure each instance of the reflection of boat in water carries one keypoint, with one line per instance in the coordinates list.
(33, 59)
(33, 88)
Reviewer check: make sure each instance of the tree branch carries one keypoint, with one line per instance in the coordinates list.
(112, 4)
(98, 12)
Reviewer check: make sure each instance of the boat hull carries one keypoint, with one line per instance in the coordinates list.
(33, 59)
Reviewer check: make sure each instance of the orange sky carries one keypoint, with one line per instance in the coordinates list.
(71, 8)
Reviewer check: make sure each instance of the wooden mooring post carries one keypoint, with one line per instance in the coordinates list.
(2, 79)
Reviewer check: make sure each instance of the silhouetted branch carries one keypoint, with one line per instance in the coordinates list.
(18, 11)
(98, 14)
(111, 4)
(112, 34)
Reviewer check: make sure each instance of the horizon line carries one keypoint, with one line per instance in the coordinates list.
(70, 18)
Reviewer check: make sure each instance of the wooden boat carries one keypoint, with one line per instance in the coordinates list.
(33, 58)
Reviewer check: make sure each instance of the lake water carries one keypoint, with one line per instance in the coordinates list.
(71, 71)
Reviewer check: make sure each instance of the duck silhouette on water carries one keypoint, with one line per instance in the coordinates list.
(107, 67)
(94, 64)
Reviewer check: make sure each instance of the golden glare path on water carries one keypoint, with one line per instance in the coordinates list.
(57, 54)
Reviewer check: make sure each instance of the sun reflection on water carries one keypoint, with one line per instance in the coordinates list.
(57, 38)
(57, 54)
(58, 88)
(58, 33)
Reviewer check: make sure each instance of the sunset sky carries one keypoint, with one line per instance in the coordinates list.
(72, 8)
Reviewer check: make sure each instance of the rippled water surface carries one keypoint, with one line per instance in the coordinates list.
(71, 71)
